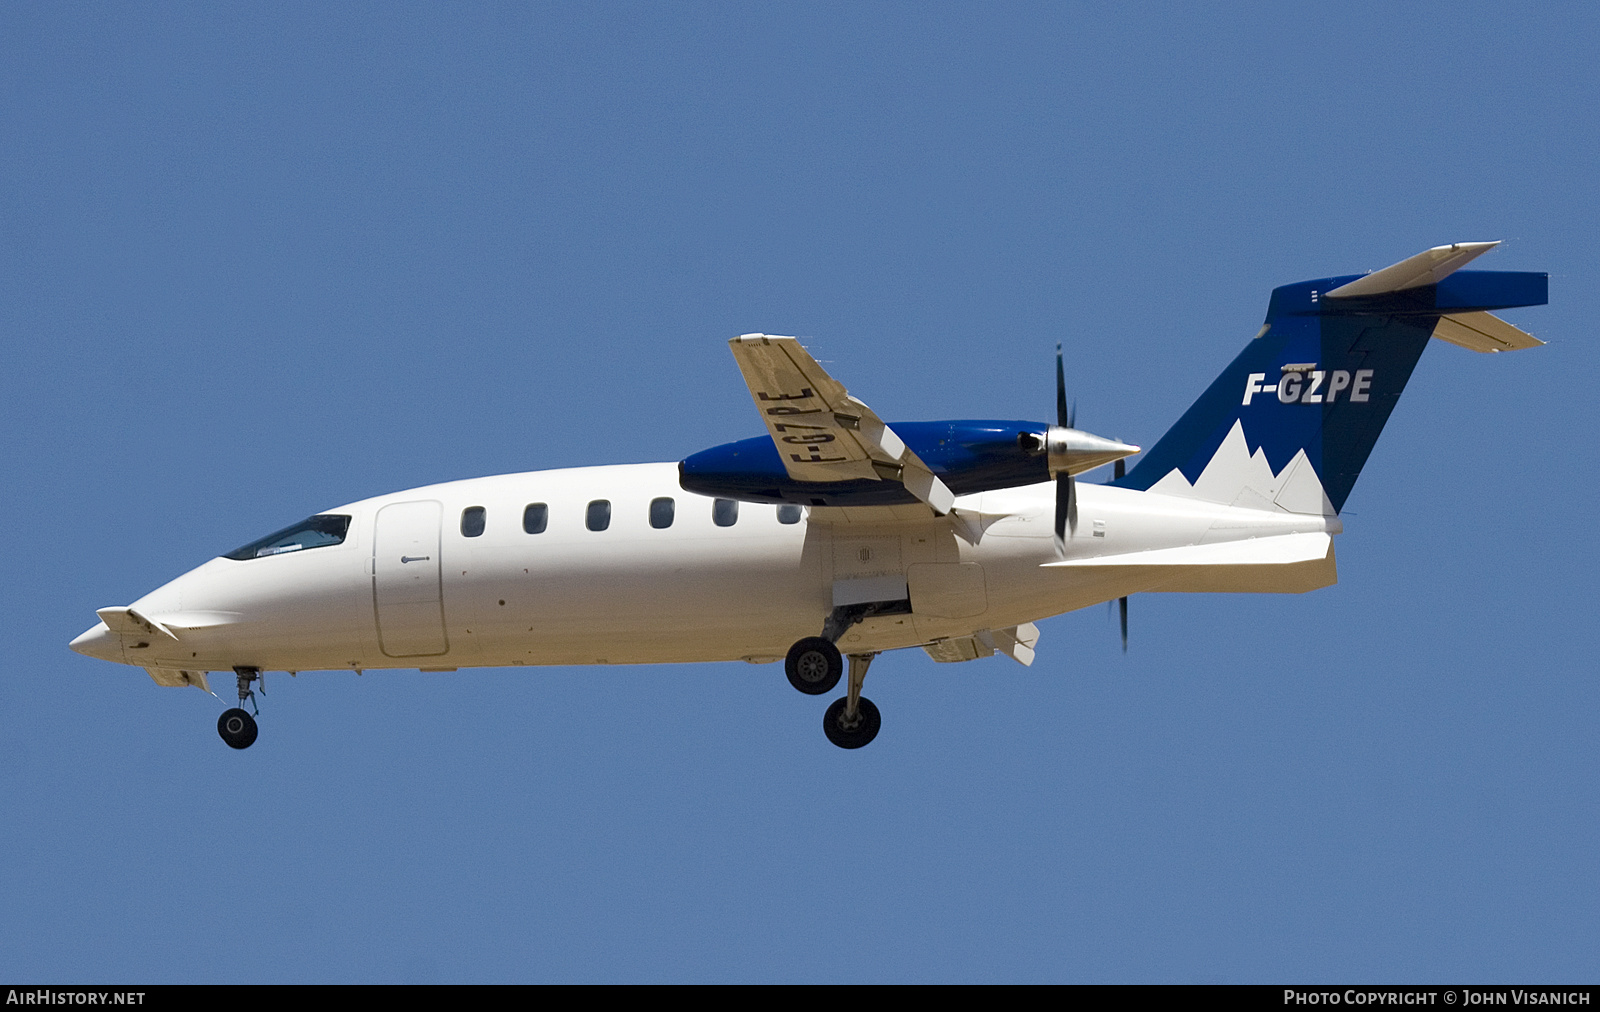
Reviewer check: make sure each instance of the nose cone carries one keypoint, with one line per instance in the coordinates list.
(99, 642)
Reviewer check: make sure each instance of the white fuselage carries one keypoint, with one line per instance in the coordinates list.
(408, 589)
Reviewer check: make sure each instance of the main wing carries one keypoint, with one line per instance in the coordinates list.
(821, 432)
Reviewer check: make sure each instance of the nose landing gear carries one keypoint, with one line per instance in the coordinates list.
(236, 726)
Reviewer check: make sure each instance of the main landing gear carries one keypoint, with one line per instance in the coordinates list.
(852, 721)
(237, 726)
(814, 666)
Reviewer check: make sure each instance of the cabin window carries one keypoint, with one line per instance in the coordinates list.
(661, 512)
(788, 513)
(725, 512)
(535, 518)
(313, 532)
(472, 521)
(598, 517)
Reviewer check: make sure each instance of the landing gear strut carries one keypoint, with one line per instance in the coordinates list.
(852, 721)
(237, 726)
(814, 666)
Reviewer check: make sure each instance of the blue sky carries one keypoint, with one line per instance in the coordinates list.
(260, 261)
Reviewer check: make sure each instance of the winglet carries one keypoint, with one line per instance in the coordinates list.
(1426, 268)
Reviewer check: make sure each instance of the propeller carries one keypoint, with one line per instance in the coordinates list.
(1068, 451)
(1119, 469)
(1066, 485)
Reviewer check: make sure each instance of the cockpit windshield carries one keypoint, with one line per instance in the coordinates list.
(313, 532)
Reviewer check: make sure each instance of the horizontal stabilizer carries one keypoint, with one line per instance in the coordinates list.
(1284, 549)
(1483, 332)
(1426, 268)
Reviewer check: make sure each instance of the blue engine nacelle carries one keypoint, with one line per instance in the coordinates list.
(968, 456)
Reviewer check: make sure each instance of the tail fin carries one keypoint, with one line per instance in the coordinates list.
(1289, 424)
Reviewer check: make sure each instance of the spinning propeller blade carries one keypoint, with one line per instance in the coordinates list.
(1066, 488)
(1119, 469)
(1122, 606)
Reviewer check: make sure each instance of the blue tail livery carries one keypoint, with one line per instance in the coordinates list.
(1290, 422)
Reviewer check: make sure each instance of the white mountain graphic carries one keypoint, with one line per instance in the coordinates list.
(1237, 477)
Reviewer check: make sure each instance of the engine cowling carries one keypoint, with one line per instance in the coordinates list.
(967, 455)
